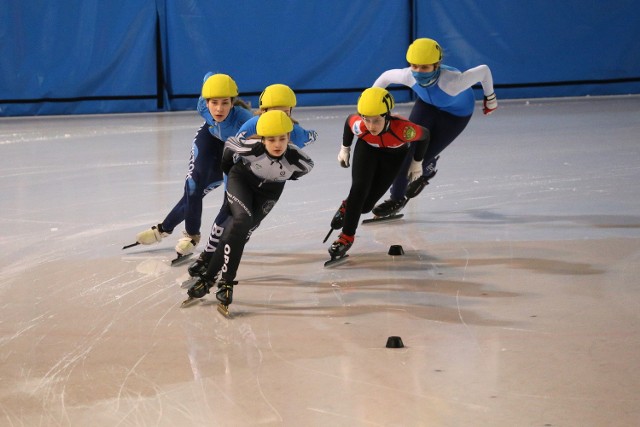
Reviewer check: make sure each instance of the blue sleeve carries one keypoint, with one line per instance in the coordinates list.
(301, 137)
(249, 127)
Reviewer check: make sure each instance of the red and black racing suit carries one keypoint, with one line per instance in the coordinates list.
(376, 161)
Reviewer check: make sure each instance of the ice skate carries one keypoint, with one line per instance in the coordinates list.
(199, 266)
(180, 259)
(148, 237)
(338, 219)
(197, 291)
(198, 269)
(338, 249)
(225, 296)
(185, 247)
(389, 207)
(377, 219)
(387, 211)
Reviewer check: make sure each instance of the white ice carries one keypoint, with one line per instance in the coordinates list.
(517, 298)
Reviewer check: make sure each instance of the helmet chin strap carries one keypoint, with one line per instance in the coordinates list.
(387, 121)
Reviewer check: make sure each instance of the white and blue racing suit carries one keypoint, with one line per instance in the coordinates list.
(444, 107)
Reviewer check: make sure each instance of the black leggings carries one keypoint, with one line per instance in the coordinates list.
(249, 201)
(444, 128)
(373, 171)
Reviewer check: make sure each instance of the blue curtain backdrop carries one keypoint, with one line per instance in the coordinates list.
(542, 48)
(91, 56)
(79, 56)
(320, 47)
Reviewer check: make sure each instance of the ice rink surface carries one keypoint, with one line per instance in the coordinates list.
(517, 298)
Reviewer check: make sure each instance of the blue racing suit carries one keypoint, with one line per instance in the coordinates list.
(204, 173)
(444, 107)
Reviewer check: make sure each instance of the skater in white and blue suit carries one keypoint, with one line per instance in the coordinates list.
(444, 106)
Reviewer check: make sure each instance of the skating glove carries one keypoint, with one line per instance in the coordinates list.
(415, 170)
(313, 135)
(490, 104)
(343, 156)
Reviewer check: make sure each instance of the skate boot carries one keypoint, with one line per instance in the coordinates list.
(200, 288)
(415, 187)
(338, 219)
(389, 207)
(224, 295)
(187, 244)
(339, 248)
(199, 266)
(153, 235)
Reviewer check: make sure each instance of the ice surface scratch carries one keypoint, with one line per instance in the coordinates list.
(126, 378)
(67, 362)
(464, 323)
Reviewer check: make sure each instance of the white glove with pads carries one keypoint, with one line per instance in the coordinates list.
(415, 170)
(343, 156)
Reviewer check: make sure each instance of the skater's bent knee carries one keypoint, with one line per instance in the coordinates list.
(243, 222)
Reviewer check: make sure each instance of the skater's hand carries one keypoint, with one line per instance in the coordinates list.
(415, 170)
(312, 135)
(343, 156)
(490, 104)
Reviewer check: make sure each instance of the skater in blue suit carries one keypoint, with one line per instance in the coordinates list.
(444, 106)
(222, 120)
(274, 97)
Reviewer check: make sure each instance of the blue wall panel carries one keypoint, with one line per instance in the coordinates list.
(541, 48)
(92, 56)
(308, 45)
(77, 54)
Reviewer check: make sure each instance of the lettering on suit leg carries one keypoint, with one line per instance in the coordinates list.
(192, 162)
(191, 183)
(214, 237)
(216, 232)
(234, 199)
(227, 251)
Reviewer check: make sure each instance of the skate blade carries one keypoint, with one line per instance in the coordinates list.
(336, 261)
(180, 259)
(381, 218)
(131, 245)
(224, 310)
(189, 282)
(189, 302)
(327, 236)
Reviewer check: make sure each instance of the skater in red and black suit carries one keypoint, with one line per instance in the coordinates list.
(383, 143)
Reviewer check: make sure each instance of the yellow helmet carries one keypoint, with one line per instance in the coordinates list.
(277, 95)
(274, 123)
(424, 52)
(375, 101)
(219, 86)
